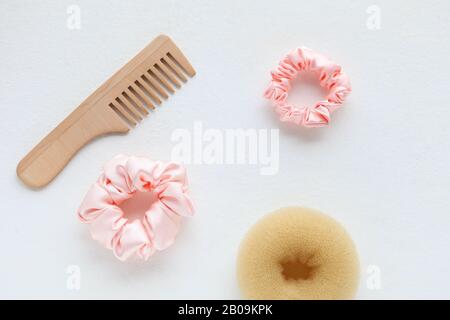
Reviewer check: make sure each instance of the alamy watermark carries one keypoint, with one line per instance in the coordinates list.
(373, 21)
(74, 17)
(373, 280)
(73, 281)
(201, 145)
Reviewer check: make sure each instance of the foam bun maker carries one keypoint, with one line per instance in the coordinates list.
(297, 253)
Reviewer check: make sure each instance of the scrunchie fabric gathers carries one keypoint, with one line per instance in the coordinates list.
(121, 178)
(331, 77)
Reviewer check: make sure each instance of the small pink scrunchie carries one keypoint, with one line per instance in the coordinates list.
(331, 77)
(121, 178)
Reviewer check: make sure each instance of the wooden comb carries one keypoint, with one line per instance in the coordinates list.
(116, 106)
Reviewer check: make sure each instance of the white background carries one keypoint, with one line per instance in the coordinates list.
(381, 168)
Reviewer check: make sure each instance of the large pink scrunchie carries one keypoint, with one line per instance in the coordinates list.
(121, 178)
(331, 77)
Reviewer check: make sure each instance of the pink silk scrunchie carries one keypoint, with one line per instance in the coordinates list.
(331, 77)
(121, 178)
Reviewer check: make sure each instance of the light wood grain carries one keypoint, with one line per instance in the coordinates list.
(115, 107)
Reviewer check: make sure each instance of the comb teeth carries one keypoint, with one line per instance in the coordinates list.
(151, 82)
(117, 105)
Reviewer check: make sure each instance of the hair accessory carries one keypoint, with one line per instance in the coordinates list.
(297, 253)
(330, 75)
(121, 179)
(115, 107)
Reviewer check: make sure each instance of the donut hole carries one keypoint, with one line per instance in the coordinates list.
(135, 207)
(297, 269)
(306, 90)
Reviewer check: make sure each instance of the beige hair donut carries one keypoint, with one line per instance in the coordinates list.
(297, 253)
